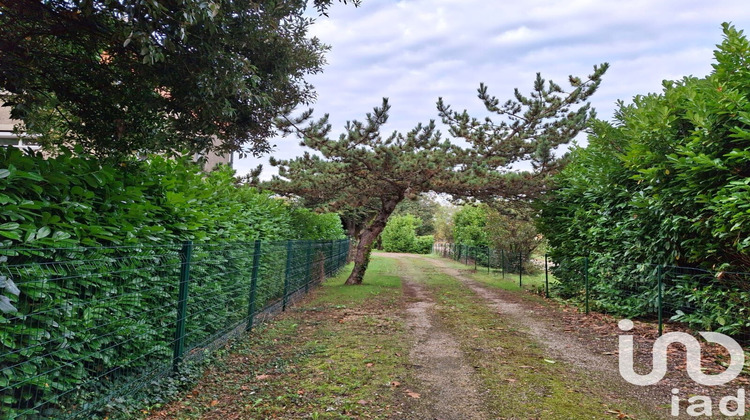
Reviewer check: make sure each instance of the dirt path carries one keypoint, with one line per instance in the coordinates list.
(583, 357)
(560, 345)
(447, 387)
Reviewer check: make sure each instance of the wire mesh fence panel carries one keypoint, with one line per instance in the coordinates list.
(82, 327)
(702, 299)
(83, 321)
(711, 300)
(624, 289)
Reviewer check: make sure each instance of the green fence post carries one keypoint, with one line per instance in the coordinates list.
(338, 256)
(308, 266)
(546, 277)
(186, 254)
(586, 276)
(502, 262)
(287, 273)
(659, 298)
(520, 269)
(476, 251)
(253, 286)
(331, 259)
(489, 264)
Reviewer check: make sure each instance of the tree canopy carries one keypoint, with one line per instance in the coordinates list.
(366, 170)
(527, 128)
(118, 76)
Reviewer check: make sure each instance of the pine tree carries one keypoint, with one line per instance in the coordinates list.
(366, 173)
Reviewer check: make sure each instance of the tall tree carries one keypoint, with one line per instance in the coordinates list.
(365, 170)
(118, 76)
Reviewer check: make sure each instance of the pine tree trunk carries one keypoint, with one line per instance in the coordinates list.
(366, 240)
(362, 255)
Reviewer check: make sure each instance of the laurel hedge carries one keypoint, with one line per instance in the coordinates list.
(89, 265)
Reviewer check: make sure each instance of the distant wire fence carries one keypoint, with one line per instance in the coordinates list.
(704, 300)
(506, 263)
(82, 328)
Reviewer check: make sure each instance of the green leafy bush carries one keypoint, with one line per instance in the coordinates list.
(400, 234)
(424, 244)
(89, 263)
(470, 226)
(667, 183)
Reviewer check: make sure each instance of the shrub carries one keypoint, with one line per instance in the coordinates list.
(668, 184)
(424, 244)
(399, 234)
(470, 226)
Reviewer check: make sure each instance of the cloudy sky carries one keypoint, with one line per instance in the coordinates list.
(414, 51)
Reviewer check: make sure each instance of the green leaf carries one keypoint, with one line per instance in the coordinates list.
(9, 286)
(6, 306)
(60, 235)
(43, 232)
(28, 175)
(9, 226)
(10, 235)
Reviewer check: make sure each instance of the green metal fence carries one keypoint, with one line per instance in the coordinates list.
(509, 264)
(703, 299)
(81, 328)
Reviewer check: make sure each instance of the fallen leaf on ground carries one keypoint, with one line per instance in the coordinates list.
(549, 361)
(395, 384)
(412, 394)
(262, 377)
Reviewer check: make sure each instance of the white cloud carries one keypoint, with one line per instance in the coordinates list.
(516, 36)
(414, 51)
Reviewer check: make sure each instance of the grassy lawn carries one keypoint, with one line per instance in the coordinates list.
(506, 281)
(336, 355)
